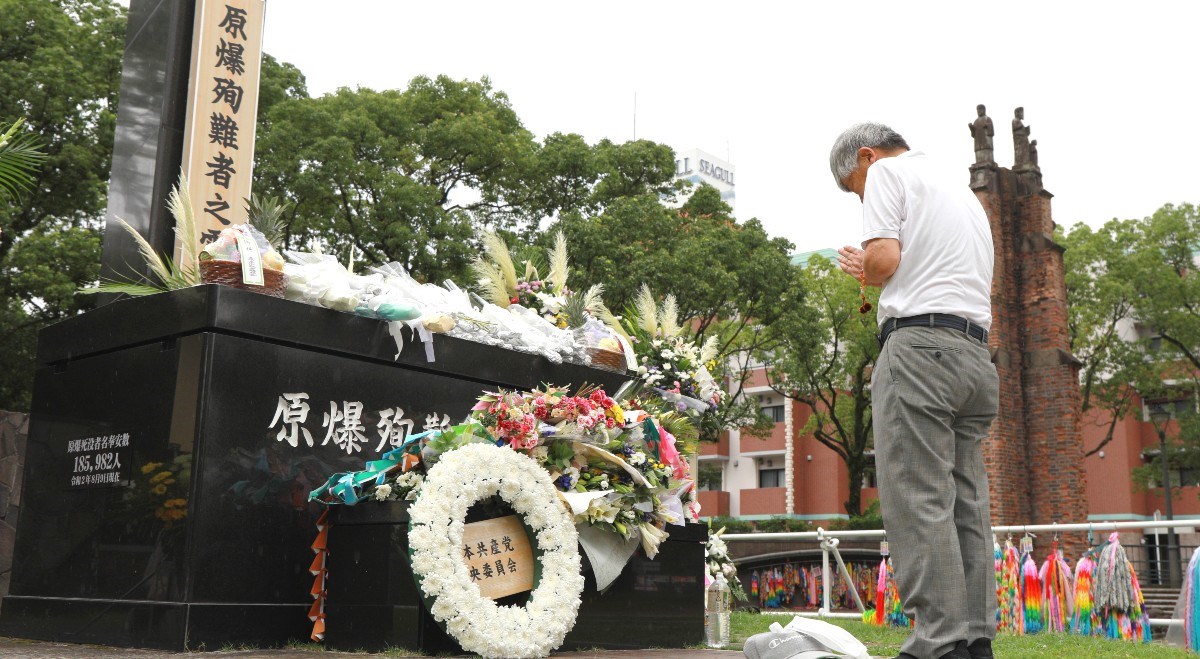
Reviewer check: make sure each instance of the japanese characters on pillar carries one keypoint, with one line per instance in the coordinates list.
(218, 149)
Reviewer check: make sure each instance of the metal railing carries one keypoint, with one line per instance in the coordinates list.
(829, 540)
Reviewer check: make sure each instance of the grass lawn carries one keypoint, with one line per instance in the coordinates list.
(885, 641)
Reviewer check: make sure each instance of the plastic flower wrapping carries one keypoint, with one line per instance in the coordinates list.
(225, 247)
(418, 311)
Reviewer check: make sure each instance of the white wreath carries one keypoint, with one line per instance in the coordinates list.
(460, 479)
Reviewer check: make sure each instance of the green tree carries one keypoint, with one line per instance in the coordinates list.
(633, 169)
(1101, 295)
(1163, 270)
(404, 176)
(277, 82)
(717, 268)
(1162, 266)
(1183, 440)
(1134, 321)
(60, 67)
(824, 360)
(568, 178)
(727, 277)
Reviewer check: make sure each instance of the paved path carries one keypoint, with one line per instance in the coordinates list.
(11, 648)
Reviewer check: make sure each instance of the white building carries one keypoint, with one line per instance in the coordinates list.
(699, 167)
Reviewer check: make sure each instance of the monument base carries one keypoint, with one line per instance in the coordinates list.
(373, 604)
(172, 445)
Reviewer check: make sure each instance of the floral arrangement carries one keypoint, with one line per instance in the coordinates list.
(406, 487)
(717, 561)
(518, 420)
(622, 470)
(618, 464)
(668, 360)
(462, 478)
(496, 277)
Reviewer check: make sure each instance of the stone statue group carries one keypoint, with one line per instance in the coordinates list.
(1025, 151)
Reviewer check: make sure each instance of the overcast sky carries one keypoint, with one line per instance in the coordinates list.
(1109, 89)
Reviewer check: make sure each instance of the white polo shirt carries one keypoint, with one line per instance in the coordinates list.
(946, 253)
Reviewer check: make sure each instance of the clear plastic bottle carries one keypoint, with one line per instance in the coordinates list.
(716, 613)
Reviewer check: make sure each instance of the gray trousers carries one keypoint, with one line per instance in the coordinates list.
(934, 393)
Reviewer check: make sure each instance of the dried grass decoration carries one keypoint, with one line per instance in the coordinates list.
(196, 266)
(162, 272)
(585, 314)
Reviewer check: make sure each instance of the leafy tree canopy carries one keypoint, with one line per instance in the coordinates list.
(826, 350)
(60, 68)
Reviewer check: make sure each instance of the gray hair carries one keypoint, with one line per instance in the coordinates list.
(843, 157)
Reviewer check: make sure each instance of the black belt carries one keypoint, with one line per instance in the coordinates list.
(933, 320)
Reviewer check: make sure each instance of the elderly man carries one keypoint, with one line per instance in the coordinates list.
(934, 391)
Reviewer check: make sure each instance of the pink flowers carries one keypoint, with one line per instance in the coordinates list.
(670, 454)
(517, 419)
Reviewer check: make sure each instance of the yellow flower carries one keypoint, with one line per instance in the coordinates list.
(172, 515)
(150, 466)
(159, 489)
(160, 476)
(617, 414)
(174, 503)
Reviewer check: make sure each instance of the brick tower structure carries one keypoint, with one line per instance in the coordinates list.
(1035, 453)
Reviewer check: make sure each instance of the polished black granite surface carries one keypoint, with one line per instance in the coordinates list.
(168, 467)
(151, 119)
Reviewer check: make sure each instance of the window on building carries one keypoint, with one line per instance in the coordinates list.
(710, 476)
(774, 412)
(870, 479)
(770, 478)
(1181, 407)
(1187, 477)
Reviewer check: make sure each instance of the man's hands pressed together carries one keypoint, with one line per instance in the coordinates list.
(880, 260)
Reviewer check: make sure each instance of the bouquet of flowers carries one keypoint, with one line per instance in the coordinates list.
(496, 276)
(717, 561)
(620, 470)
(668, 360)
(519, 420)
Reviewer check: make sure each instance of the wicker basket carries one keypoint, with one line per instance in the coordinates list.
(608, 360)
(229, 273)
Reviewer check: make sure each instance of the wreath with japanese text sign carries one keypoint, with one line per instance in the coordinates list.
(437, 523)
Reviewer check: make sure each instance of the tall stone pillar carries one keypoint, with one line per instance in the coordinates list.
(1035, 453)
(148, 145)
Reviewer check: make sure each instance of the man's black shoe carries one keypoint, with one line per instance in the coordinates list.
(981, 649)
(959, 652)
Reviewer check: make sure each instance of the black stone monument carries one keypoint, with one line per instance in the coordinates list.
(165, 503)
(148, 144)
(174, 440)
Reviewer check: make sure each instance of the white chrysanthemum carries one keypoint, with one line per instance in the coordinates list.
(459, 479)
(382, 492)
